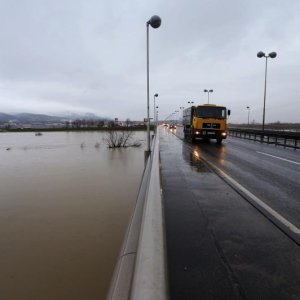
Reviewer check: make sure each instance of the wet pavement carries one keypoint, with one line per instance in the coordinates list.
(218, 245)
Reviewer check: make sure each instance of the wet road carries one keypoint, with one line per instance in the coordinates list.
(219, 246)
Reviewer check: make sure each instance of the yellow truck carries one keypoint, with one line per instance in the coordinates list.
(207, 121)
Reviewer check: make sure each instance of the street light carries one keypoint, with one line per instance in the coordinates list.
(261, 54)
(208, 91)
(191, 102)
(154, 122)
(175, 112)
(248, 113)
(156, 116)
(155, 22)
(181, 108)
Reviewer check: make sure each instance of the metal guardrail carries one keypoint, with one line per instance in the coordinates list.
(141, 269)
(279, 138)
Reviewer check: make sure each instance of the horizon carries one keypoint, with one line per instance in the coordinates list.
(121, 120)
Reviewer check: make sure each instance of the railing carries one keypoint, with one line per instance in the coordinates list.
(279, 138)
(141, 269)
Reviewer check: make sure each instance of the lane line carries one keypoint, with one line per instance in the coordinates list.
(291, 161)
(257, 201)
(289, 228)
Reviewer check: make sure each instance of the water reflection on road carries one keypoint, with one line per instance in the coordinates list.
(64, 207)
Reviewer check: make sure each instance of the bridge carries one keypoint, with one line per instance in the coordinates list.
(220, 222)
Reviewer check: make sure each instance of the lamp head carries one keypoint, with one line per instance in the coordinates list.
(154, 21)
(211, 91)
(260, 54)
(155, 95)
(205, 91)
(273, 54)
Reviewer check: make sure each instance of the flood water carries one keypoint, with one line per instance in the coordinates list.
(64, 208)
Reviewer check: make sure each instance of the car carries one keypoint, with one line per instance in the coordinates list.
(172, 126)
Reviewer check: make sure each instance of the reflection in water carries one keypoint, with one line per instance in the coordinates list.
(193, 153)
(63, 213)
(222, 155)
(213, 150)
(193, 157)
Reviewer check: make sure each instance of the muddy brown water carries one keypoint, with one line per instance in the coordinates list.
(64, 206)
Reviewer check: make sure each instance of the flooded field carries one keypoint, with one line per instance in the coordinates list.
(65, 201)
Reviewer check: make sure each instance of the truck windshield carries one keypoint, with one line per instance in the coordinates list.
(211, 112)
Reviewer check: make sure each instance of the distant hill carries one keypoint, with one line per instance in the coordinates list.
(5, 117)
(40, 118)
(36, 118)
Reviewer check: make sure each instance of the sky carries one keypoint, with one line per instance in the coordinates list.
(89, 56)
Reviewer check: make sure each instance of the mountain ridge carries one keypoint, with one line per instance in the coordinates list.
(44, 118)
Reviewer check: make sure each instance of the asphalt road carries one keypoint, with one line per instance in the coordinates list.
(220, 245)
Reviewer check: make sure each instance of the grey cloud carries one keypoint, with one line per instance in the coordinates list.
(90, 56)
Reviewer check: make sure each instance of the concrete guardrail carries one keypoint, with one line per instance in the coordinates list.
(141, 269)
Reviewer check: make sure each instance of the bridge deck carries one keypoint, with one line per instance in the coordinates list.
(218, 245)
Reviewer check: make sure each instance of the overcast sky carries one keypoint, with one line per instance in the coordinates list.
(79, 56)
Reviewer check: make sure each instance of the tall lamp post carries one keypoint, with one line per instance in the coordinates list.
(261, 54)
(176, 111)
(154, 114)
(181, 108)
(155, 22)
(208, 92)
(248, 113)
(191, 102)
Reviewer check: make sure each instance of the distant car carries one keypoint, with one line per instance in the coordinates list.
(166, 124)
(172, 126)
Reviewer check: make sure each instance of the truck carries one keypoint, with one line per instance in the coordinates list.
(206, 121)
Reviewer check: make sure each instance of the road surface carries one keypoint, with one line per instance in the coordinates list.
(232, 218)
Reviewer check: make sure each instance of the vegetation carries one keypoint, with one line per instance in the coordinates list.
(118, 139)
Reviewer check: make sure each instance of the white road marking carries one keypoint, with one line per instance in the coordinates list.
(291, 161)
(258, 202)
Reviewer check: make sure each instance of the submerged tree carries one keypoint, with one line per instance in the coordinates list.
(118, 139)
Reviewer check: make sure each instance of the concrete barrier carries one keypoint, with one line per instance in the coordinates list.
(141, 269)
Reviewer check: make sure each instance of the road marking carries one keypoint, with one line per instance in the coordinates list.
(259, 204)
(291, 161)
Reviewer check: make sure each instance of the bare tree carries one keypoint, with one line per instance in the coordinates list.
(118, 139)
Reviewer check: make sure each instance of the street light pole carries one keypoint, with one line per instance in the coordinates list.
(191, 102)
(261, 54)
(154, 114)
(208, 91)
(265, 94)
(155, 22)
(248, 113)
(176, 111)
(181, 108)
